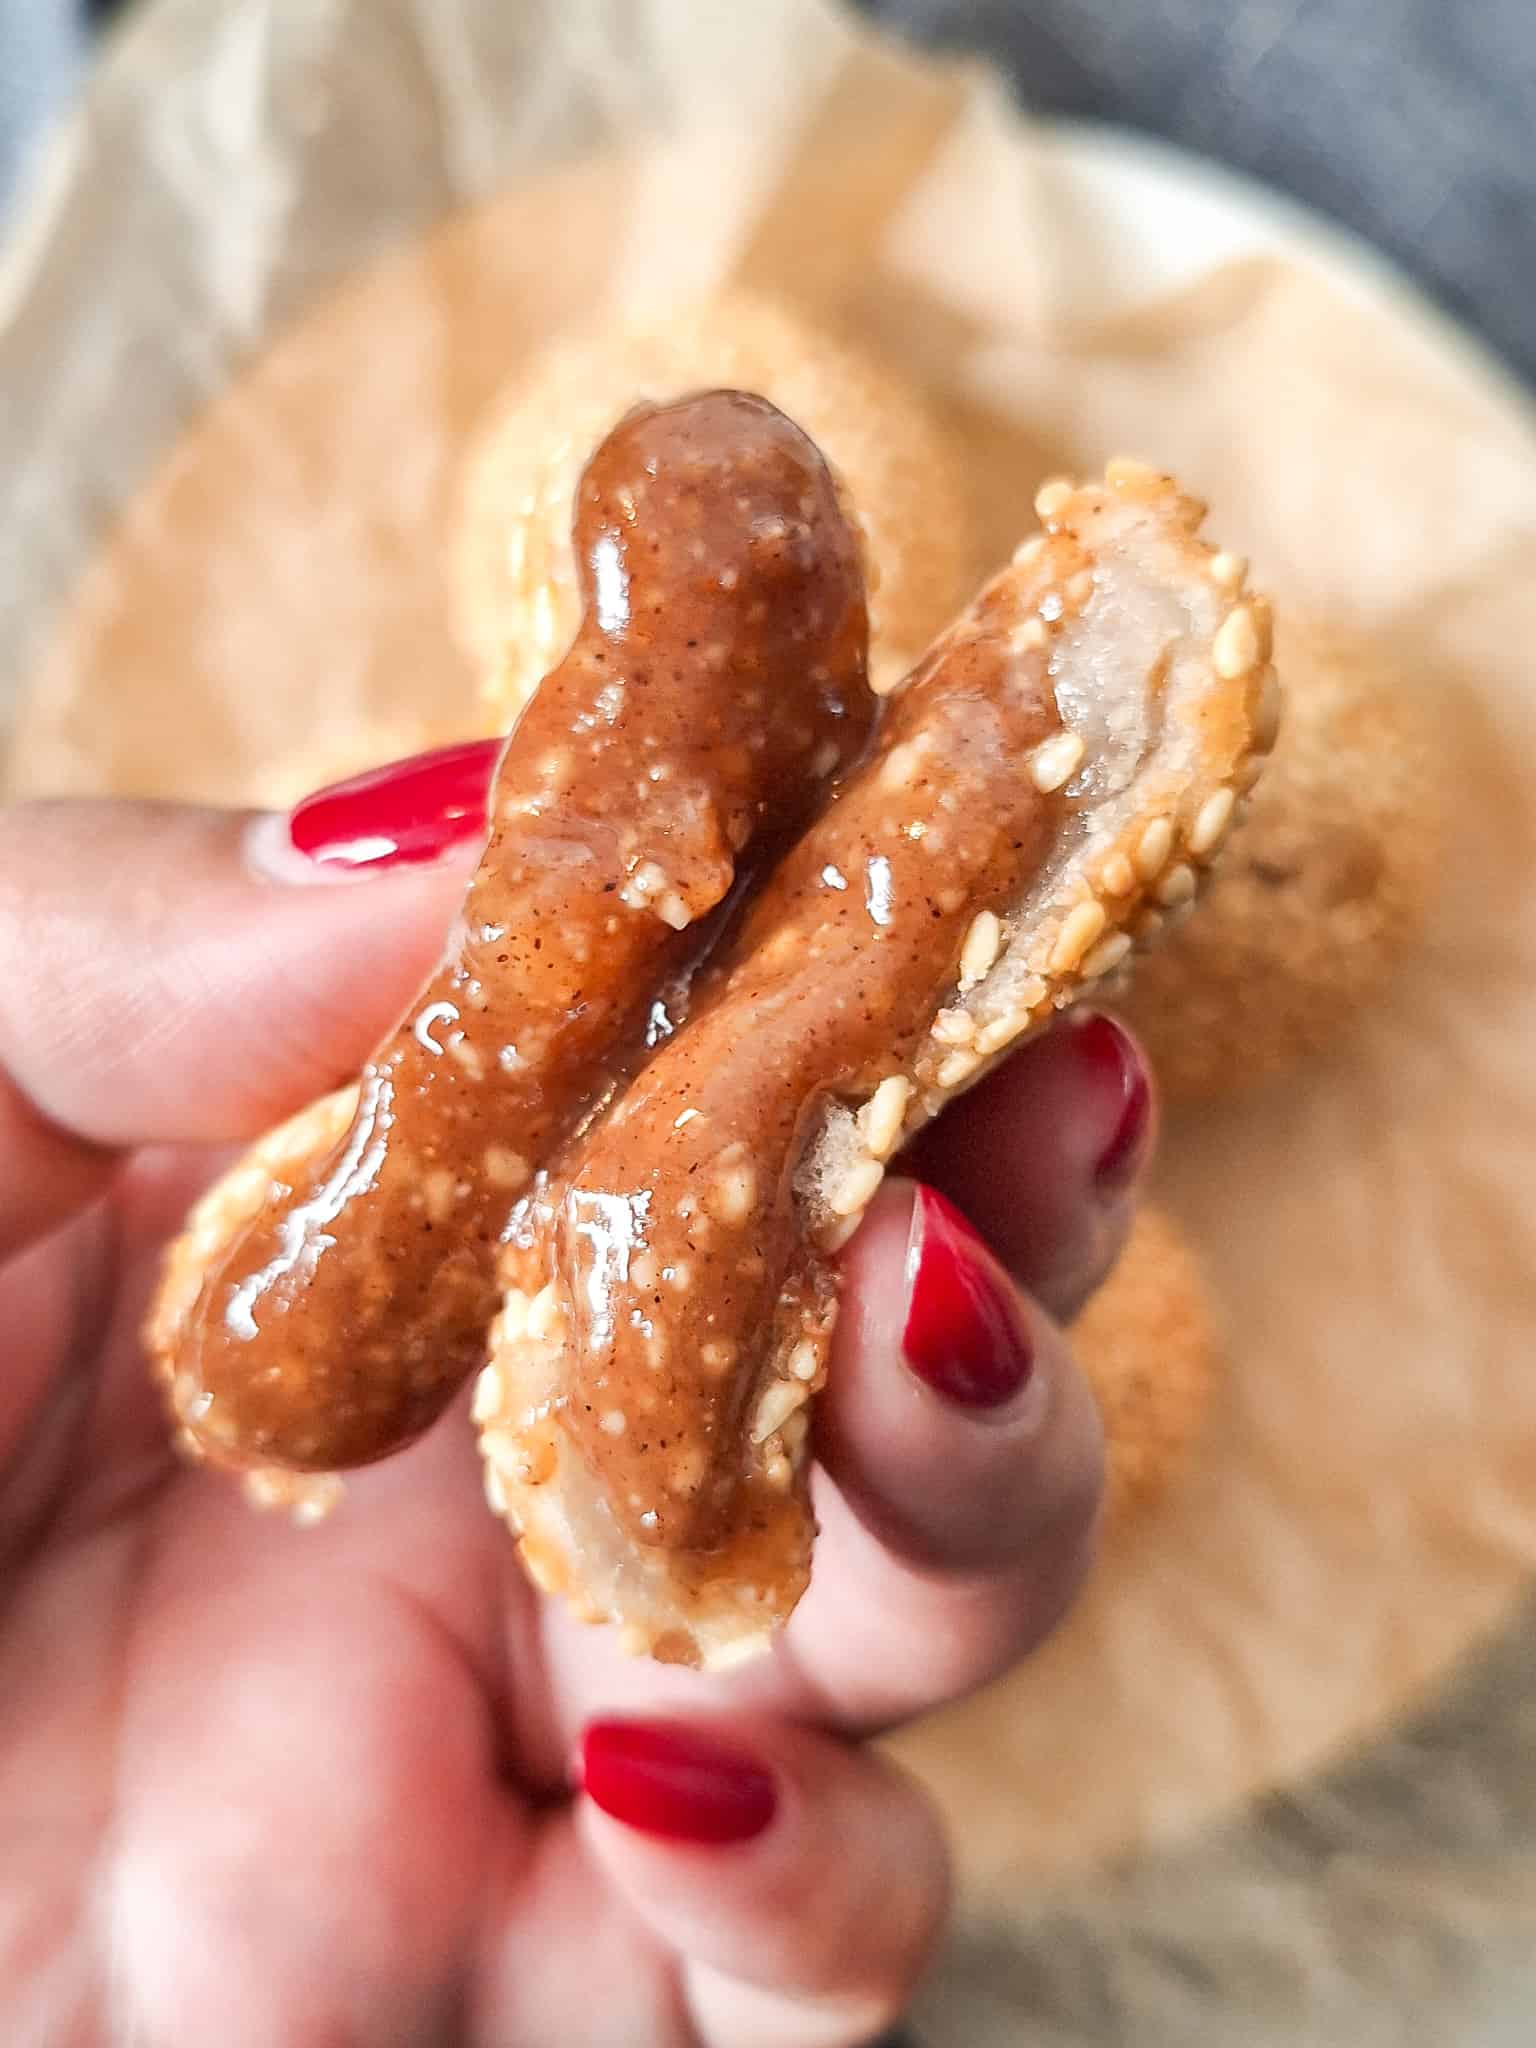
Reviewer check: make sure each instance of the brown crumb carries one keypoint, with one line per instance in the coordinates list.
(1148, 1344)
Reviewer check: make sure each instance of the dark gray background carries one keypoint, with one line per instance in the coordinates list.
(1411, 121)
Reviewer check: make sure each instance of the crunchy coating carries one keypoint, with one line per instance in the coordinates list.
(1047, 790)
(1147, 1342)
(512, 583)
(1325, 886)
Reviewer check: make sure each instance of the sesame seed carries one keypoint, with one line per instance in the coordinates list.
(437, 1191)
(983, 942)
(857, 1188)
(1125, 472)
(1235, 648)
(1148, 924)
(1056, 760)
(954, 1027)
(513, 1320)
(543, 1312)
(613, 1422)
(804, 1360)
(1248, 774)
(1052, 496)
(957, 1068)
(642, 1271)
(779, 1401)
(899, 766)
(1080, 587)
(1212, 822)
(1153, 848)
(1228, 572)
(1028, 638)
(1107, 954)
(488, 1394)
(1000, 1032)
(1177, 886)
(1117, 877)
(835, 1235)
(541, 1570)
(824, 760)
(505, 1168)
(1081, 926)
(674, 911)
(495, 1491)
(779, 1473)
(735, 1194)
(718, 1355)
(882, 1116)
(679, 1277)
(634, 1641)
(1029, 551)
(532, 1460)
(793, 1433)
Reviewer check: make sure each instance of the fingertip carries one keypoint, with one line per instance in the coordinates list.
(956, 1421)
(1046, 1155)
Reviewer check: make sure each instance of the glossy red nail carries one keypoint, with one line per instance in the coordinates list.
(671, 1780)
(1118, 1070)
(965, 1333)
(410, 811)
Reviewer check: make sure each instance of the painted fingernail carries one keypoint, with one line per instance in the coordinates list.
(1118, 1073)
(667, 1779)
(403, 814)
(965, 1333)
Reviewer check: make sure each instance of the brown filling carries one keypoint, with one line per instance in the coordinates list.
(671, 1226)
(717, 683)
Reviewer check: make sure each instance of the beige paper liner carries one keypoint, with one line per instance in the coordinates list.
(270, 608)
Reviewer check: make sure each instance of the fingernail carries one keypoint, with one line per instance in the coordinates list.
(1118, 1073)
(666, 1779)
(401, 815)
(965, 1334)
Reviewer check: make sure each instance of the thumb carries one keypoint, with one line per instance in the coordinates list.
(175, 974)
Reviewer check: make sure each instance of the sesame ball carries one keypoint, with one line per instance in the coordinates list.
(513, 579)
(1322, 888)
(1148, 1345)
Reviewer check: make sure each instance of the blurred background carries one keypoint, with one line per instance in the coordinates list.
(1409, 121)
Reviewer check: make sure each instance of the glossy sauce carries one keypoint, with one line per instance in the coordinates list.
(671, 1227)
(715, 687)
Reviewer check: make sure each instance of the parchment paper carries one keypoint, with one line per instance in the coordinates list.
(287, 256)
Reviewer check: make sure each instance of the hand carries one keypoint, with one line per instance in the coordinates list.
(260, 1785)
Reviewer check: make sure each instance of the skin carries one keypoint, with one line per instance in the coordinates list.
(260, 1785)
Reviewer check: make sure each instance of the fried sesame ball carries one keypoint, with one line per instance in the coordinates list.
(512, 576)
(1148, 1345)
(1322, 888)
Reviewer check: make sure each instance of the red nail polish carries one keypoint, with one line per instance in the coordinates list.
(965, 1334)
(1115, 1061)
(409, 811)
(667, 1779)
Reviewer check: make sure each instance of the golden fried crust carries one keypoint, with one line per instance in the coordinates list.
(1148, 1345)
(1325, 885)
(512, 579)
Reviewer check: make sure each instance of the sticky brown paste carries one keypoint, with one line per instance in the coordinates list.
(672, 1224)
(715, 687)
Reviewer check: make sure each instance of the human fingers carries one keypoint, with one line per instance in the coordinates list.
(170, 973)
